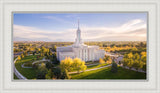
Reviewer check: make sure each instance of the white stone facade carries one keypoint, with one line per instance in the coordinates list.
(80, 50)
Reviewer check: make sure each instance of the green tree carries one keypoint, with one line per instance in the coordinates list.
(65, 75)
(49, 74)
(49, 65)
(57, 73)
(42, 70)
(114, 67)
(144, 67)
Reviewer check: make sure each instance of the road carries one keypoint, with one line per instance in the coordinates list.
(16, 72)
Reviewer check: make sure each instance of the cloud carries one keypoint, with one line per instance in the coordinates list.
(56, 19)
(132, 30)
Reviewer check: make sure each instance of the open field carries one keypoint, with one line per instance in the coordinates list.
(105, 73)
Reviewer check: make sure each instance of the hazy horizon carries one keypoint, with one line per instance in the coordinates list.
(58, 27)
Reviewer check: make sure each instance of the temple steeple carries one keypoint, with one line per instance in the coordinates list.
(78, 23)
(78, 37)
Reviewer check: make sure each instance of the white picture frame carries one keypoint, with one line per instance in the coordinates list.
(152, 85)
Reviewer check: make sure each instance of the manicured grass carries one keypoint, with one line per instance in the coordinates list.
(29, 73)
(96, 66)
(90, 62)
(105, 73)
(15, 77)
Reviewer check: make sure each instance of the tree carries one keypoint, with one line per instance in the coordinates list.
(125, 62)
(57, 73)
(49, 65)
(19, 58)
(101, 61)
(22, 56)
(114, 67)
(83, 66)
(65, 75)
(136, 64)
(136, 56)
(42, 54)
(25, 53)
(143, 58)
(130, 55)
(54, 48)
(49, 74)
(143, 53)
(33, 53)
(144, 67)
(42, 70)
(141, 65)
(66, 64)
(130, 63)
(77, 64)
(107, 59)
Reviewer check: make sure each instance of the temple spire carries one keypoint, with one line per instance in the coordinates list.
(78, 23)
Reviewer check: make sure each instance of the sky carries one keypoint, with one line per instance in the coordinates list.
(61, 27)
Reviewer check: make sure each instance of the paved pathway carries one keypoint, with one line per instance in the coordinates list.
(34, 63)
(90, 69)
(25, 66)
(19, 75)
(41, 61)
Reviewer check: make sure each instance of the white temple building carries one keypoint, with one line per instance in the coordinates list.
(80, 50)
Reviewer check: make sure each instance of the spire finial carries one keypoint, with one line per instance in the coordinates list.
(78, 23)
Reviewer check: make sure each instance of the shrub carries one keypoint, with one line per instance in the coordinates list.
(57, 73)
(49, 65)
(114, 68)
(42, 71)
(65, 75)
(49, 74)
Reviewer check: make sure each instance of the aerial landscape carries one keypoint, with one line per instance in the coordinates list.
(79, 46)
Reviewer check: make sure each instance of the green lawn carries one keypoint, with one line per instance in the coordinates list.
(105, 73)
(96, 66)
(29, 73)
(15, 77)
(90, 62)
